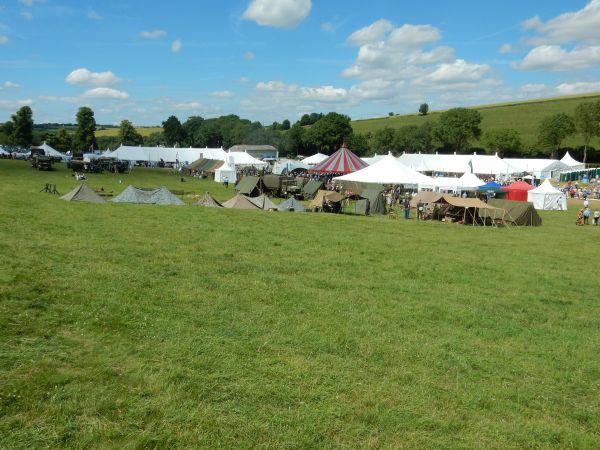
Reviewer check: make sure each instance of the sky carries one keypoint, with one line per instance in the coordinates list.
(270, 60)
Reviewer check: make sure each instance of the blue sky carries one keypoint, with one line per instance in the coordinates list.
(270, 60)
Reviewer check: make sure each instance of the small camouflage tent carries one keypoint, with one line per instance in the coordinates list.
(83, 193)
(208, 201)
(291, 204)
(263, 202)
(160, 196)
(239, 202)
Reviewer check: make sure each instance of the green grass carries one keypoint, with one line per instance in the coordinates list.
(522, 116)
(113, 132)
(138, 326)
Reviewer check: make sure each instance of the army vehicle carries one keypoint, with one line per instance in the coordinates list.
(113, 165)
(281, 186)
(39, 160)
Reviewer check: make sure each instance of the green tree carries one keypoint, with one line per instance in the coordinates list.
(285, 125)
(424, 109)
(587, 123)
(328, 133)
(457, 127)
(383, 140)
(22, 127)
(61, 140)
(173, 131)
(128, 135)
(358, 143)
(293, 141)
(191, 128)
(85, 134)
(553, 130)
(414, 139)
(503, 141)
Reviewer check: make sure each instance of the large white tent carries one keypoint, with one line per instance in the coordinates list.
(469, 182)
(49, 151)
(491, 165)
(288, 165)
(572, 162)
(315, 159)
(373, 159)
(388, 170)
(539, 167)
(166, 154)
(226, 171)
(244, 159)
(547, 197)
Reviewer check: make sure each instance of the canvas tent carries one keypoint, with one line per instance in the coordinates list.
(250, 185)
(323, 196)
(204, 165)
(311, 188)
(547, 197)
(291, 204)
(263, 202)
(160, 196)
(287, 166)
(342, 161)
(517, 191)
(572, 162)
(517, 212)
(244, 159)
(372, 202)
(472, 210)
(208, 201)
(49, 151)
(469, 182)
(227, 172)
(83, 193)
(314, 159)
(239, 202)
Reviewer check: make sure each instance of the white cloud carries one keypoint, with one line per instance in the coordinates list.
(85, 77)
(327, 27)
(555, 58)
(534, 88)
(54, 98)
(579, 87)
(94, 15)
(9, 85)
(154, 34)
(14, 104)
(176, 46)
(457, 72)
(189, 106)
(578, 26)
(506, 48)
(243, 80)
(223, 94)
(27, 15)
(105, 93)
(278, 13)
(370, 34)
(30, 3)
(249, 56)
(413, 36)
(3, 40)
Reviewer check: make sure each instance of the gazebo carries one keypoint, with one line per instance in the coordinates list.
(517, 191)
(342, 161)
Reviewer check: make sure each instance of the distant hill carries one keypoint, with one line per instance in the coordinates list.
(523, 116)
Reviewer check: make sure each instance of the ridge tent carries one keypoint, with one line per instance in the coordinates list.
(372, 202)
(240, 201)
(311, 188)
(547, 197)
(204, 165)
(322, 195)
(263, 202)
(342, 161)
(160, 196)
(517, 191)
(517, 212)
(472, 210)
(208, 201)
(83, 193)
(469, 182)
(291, 204)
(249, 185)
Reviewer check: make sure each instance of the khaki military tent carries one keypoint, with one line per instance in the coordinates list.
(310, 189)
(204, 165)
(372, 202)
(83, 193)
(263, 202)
(239, 202)
(160, 196)
(323, 196)
(291, 204)
(518, 212)
(208, 201)
(250, 185)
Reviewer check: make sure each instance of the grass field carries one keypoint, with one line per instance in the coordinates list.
(144, 131)
(521, 116)
(138, 326)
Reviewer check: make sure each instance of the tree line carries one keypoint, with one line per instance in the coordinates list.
(456, 130)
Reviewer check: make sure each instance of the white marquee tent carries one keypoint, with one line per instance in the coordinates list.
(491, 165)
(315, 159)
(226, 171)
(287, 165)
(572, 162)
(539, 167)
(167, 154)
(388, 170)
(547, 197)
(244, 159)
(49, 151)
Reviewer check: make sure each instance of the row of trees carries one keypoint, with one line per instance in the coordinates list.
(456, 130)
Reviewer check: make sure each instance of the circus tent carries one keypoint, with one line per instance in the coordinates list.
(342, 161)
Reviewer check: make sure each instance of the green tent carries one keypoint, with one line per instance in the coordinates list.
(517, 213)
(263, 202)
(372, 202)
(291, 204)
(249, 185)
(83, 193)
(208, 201)
(310, 189)
(160, 196)
(239, 202)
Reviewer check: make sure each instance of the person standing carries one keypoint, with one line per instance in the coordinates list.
(586, 216)
(406, 208)
(226, 182)
(596, 217)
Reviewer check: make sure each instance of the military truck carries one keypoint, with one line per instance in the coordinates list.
(113, 165)
(281, 186)
(39, 159)
(77, 164)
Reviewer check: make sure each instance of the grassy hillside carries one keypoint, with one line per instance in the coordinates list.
(521, 116)
(139, 326)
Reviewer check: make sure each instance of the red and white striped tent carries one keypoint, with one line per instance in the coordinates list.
(342, 161)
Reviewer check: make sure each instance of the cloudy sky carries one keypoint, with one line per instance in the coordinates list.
(270, 60)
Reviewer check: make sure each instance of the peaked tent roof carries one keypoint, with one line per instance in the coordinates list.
(572, 162)
(517, 213)
(49, 151)
(388, 170)
(208, 201)
(322, 195)
(547, 197)
(263, 202)
(491, 186)
(83, 193)
(240, 201)
(311, 188)
(469, 181)
(314, 159)
(160, 196)
(248, 184)
(291, 204)
(342, 161)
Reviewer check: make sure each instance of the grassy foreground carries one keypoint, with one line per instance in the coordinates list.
(138, 326)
